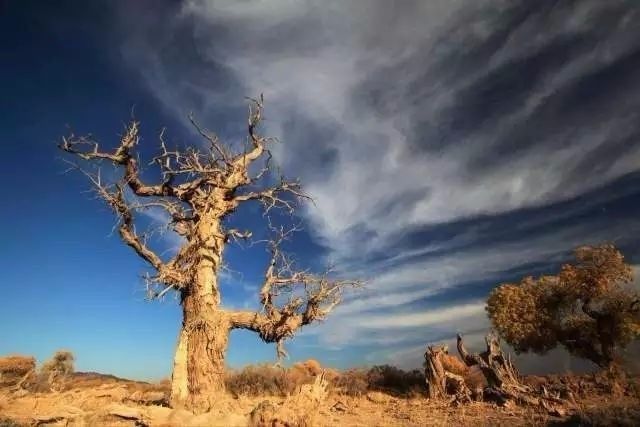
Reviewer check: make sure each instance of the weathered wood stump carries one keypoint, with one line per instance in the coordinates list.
(440, 382)
(503, 379)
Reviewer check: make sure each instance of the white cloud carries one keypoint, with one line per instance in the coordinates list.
(311, 60)
(378, 88)
(412, 320)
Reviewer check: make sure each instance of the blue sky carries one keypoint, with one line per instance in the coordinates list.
(449, 146)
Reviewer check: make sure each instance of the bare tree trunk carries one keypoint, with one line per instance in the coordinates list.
(434, 373)
(199, 363)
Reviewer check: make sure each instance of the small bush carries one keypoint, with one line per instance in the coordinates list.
(60, 364)
(391, 379)
(53, 373)
(256, 380)
(311, 367)
(352, 382)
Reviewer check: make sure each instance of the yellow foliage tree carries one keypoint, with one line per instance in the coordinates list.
(588, 307)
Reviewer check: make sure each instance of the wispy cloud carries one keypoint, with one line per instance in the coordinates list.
(413, 320)
(445, 142)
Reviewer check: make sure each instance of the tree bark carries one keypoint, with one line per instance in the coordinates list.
(179, 379)
(199, 363)
(434, 373)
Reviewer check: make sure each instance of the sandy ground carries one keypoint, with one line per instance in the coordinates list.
(135, 404)
(114, 405)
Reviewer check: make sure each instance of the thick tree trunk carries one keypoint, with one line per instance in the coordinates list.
(199, 363)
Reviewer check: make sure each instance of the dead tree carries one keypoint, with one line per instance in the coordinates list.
(441, 383)
(198, 189)
(502, 377)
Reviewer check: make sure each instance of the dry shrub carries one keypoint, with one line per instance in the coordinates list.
(357, 382)
(53, 374)
(616, 382)
(331, 375)
(264, 379)
(60, 364)
(391, 379)
(13, 368)
(352, 382)
(257, 380)
(37, 383)
(311, 367)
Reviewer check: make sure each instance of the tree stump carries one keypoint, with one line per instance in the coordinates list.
(503, 379)
(441, 384)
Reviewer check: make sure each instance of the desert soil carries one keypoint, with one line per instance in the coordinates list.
(99, 401)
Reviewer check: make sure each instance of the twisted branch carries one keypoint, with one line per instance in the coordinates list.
(277, 322)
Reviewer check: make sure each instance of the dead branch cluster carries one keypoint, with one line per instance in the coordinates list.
(502, 381)
(290, 298)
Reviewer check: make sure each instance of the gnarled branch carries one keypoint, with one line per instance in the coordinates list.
(122, 156)
(274, 197)
(310, 297)
(114, 196)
